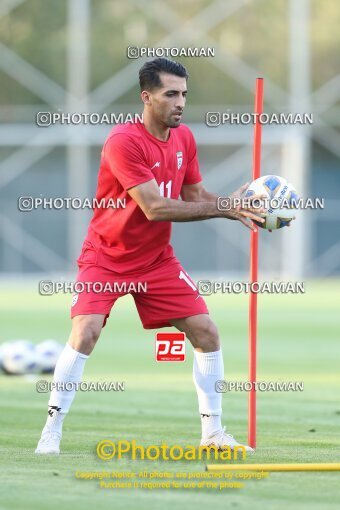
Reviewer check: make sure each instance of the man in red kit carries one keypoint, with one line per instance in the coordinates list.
(149, 166)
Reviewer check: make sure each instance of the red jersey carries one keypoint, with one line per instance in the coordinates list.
(124, 239)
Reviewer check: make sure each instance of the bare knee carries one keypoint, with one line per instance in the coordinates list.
(85, 332)
(205, 337)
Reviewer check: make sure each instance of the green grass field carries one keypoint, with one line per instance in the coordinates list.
(298, 341)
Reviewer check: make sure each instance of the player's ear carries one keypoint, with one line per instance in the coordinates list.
(145, 95)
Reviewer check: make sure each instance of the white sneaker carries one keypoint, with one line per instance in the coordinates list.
(49, 443)
(221, 440)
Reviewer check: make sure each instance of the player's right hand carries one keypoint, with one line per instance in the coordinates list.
(246, 209)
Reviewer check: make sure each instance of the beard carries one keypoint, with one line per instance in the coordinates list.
(173, 122)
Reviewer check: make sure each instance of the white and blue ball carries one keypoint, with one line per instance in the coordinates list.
(3, 348)
(47, 354)
(277, 190)
(19, 357)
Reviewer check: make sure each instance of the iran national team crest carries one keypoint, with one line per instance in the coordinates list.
(179, 159)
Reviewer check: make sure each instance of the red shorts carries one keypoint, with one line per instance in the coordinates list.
(161, 293)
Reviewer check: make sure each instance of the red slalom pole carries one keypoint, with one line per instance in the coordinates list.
(254, 272)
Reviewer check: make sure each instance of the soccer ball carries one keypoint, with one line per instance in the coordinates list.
(19, 357)
(48, 353)
(3, 349)
(280, 196)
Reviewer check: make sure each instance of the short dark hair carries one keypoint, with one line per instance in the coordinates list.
(149, 74)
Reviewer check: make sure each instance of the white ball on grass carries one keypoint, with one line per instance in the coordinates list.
(48, 353)
(19, 358)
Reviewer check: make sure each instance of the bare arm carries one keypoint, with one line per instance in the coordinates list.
(157, 208)
(197, 193)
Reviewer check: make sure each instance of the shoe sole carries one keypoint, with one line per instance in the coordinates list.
(224, 448)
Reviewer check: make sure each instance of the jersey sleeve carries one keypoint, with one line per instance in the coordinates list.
(126, 161)
(192, 174)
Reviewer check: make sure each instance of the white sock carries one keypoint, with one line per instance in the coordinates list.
(208, 368)
(69, 368)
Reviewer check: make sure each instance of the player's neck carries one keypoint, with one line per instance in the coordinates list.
(160, 132)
